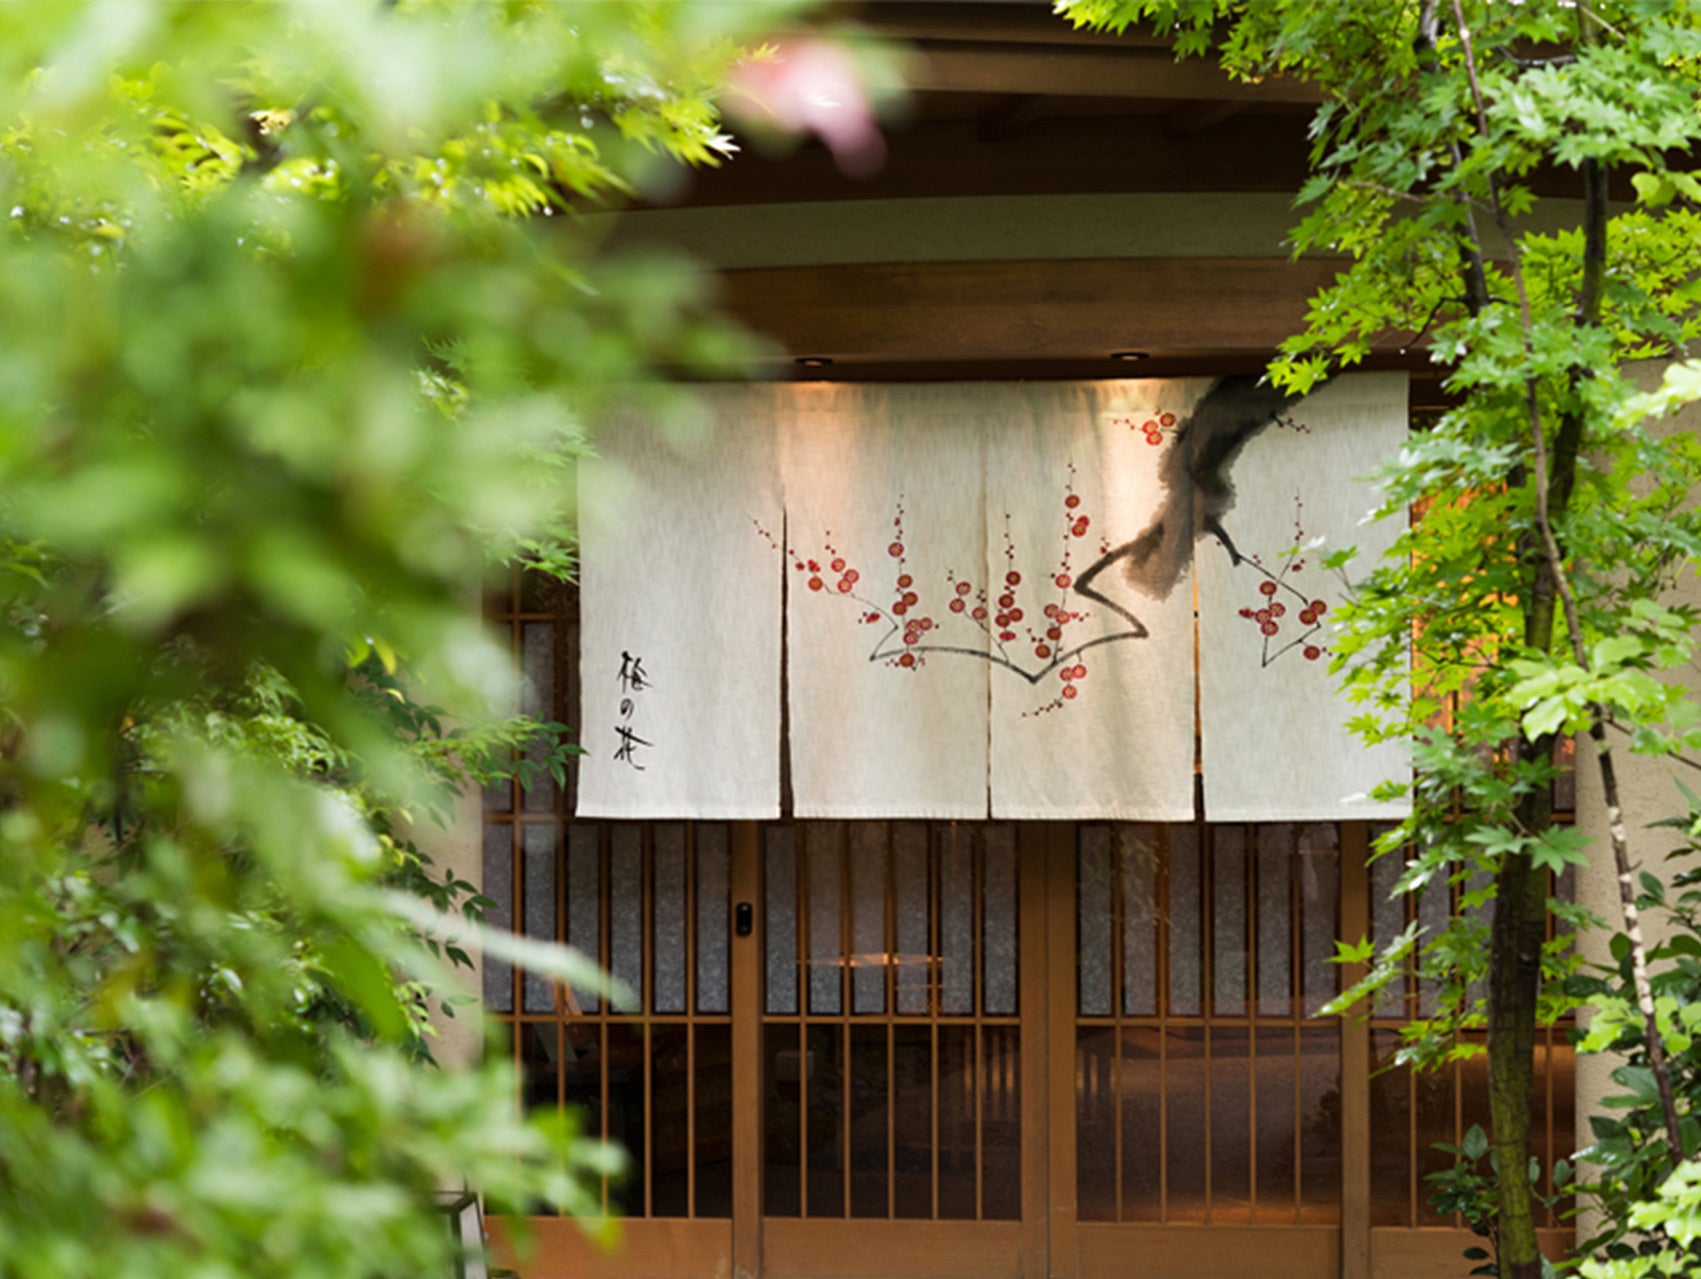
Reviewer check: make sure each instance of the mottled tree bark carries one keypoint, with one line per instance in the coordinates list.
(1515, 960)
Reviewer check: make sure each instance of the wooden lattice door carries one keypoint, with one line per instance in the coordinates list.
(899, 1109)
(1197, 1097)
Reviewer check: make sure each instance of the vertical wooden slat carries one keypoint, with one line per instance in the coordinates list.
(515, 1047)
(1249, 914)
(890, 915)
(805, 1076)
(935, 999)
(847, 993)
(1411, 1147)
(560, 1029)
(1355, 1063)
(507, 617)
(602, 1128)
(648, 1060)
(805, 948)
(1207, 987)
(689, 871)
(690, 1118)
(605, 957)
(1457, 1074)
(647, 1004)
(1118, 1000)
(1034, 997)
(516, 658)
(1551, 1153)
(891, 1111)
(806, 834)
(517, 903)
(744, 880)
(516, 914)
(977, 1004)
(1161, 889)
(1060, 966)
(844, 1031)
(560, 936)
(1296, 1013)
(933, 1112)
(1458, 1120)
(647, 998)
(1298, 1114)
(977, 1104)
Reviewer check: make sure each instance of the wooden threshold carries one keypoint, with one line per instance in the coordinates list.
(1399, 1253)
(658, 1248)
(1117, 1251)
(818, 1248)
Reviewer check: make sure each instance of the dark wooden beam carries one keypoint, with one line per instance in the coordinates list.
(1254, 149)
(1005, 23)
(1190, 119)
(992, 311)
(1426, 386)
(1011, 116)
(1053, 154)
(1129, 72)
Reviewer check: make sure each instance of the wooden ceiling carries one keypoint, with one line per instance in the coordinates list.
(1005, 99)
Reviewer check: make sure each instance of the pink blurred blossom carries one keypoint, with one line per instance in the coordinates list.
(811, 85)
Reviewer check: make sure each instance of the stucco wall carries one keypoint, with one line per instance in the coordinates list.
(1649, 793)
(456, 847)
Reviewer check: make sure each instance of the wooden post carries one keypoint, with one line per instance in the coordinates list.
(745, 881)
(1355, 1062)
(1060, 986)
(1034, 995)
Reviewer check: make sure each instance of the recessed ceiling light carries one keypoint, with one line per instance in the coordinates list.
(1128, 357)
(814, 361)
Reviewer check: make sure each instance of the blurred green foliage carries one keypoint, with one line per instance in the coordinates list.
(299, 333)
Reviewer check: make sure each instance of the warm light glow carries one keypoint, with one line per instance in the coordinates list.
(869, 959)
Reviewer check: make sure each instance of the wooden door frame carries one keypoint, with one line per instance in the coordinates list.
(1034, 898)
(744, 882)
(1058, 1155)
(850, 1247)
(1355, 1061)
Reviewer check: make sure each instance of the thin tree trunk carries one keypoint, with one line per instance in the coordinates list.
(1515, 962)
(1521, 888)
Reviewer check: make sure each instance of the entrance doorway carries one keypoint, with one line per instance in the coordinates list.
(936, 1050)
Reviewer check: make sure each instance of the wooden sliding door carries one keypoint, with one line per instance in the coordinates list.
(1205, 1104)
(651, 902)
(893, 1071)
